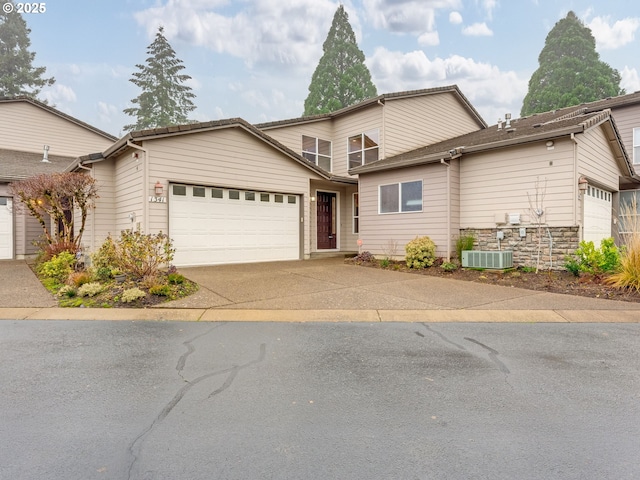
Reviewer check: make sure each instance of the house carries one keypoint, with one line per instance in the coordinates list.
(231, 192)
(536, 186)
(35, 138)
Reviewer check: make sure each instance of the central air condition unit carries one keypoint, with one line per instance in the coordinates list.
(480, 259)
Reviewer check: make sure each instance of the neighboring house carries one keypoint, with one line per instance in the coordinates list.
(26, 127)
(230, 192)
(536, 186)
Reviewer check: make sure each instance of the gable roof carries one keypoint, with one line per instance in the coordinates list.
(538, 127)
(613, 102)
(58, 113)
(381, 99)
(16, 165)
(126, 142)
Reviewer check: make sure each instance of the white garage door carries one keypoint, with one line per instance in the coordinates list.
(597, 215)
(6, 229)
(212, 226)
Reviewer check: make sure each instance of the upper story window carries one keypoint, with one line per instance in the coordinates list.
(636, 146)
(317, 151)
(363, 148)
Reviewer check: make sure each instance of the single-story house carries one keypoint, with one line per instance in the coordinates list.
(536, 186)
(35, 138)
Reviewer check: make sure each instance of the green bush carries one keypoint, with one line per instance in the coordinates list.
(90, 289)
(175, 278)
(59, 267)
(449, 267)
(464, 242)
(142, 255)
(161, 290)
(420, 252)
(67, 291)
(132, 294)
(105, 258)
(629, 274)
(597, 262)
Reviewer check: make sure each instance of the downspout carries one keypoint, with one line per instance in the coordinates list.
(93, 213)
(145, 183)
(448, 165)
(384, 142)
(576, 191)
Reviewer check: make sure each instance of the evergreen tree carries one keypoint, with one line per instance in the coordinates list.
(570, 71)
(17, 74)
(164, 101)
(341, 78)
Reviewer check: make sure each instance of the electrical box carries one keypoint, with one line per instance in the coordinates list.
(500, 235)
(523, 232)
(514, 218)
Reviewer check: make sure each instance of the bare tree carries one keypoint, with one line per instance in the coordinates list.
(536, 207)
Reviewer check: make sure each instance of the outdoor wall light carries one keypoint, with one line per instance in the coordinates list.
(313, 199)
(158, 189)
(583, 183)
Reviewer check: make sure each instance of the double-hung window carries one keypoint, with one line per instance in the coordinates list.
(363, 148)
(400, 197)
(317, 151)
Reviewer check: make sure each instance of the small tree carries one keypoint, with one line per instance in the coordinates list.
(17, 74)
(536, 207)
(341, 78)
(51, 196)
(164, 101)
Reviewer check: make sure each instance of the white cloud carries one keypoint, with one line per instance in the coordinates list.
(429, 39)
(59, 94)
(477, 30)
(630, 80)
(107, 112)
(491, 91)
(455, 18)
(611, 36)
(488, 6)
(259, 33)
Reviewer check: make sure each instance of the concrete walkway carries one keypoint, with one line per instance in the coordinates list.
(322, 290)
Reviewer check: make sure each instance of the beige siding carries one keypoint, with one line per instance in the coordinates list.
(291, 136)
(414, 122)
(102, 220)
(128, 175)
(595, 159)
(355, 123)
(504, 181)
(378, 231)
(627, 118)
(229, 158)
(26, 127)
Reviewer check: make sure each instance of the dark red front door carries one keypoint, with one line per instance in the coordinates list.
(326, 220)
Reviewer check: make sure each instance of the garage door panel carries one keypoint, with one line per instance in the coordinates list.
(597, 215)
(209, 231)
(6, 228)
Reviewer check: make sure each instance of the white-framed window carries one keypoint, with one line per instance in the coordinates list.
(356, 213)
(636, 146)
(629, 219)
(363, 148)
(317, 151)
(400, 197)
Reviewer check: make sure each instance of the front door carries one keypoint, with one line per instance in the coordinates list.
(326, 214)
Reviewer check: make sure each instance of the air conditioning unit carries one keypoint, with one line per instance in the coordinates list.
(481, 259)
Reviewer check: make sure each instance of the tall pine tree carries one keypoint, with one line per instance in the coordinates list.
(17, 74)
(341, 78)
(164, 100)
(570, 71)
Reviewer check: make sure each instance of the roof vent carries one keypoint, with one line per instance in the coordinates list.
(507, 118)
(45, 155)
(499, 124)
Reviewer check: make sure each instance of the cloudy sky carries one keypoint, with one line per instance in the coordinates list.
(254, 58)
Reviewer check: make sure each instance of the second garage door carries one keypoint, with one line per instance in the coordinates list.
(211, 226)
(597, 215)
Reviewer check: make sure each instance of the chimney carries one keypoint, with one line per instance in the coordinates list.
(507, 117)
(45, 155)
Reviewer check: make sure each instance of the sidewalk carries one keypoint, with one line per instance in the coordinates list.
(321, 290)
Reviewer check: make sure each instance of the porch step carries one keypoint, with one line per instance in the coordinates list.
(342, 254)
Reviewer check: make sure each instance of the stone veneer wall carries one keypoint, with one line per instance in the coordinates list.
(525, 250)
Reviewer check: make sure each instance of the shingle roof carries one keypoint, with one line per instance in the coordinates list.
(44, 106)
(543, 126)
(613, 102)
(16, 165)
(380, 98)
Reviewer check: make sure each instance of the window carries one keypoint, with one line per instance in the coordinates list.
(264, 197)
(250, 196)
(363, 148)
(400, 197)
(234, 195)
(278, 198)
(216, 193)
(198, 192)
(317, 151)
(636, 146)
(356, 213)
(629, 204)
(180, 190)
(291, 199)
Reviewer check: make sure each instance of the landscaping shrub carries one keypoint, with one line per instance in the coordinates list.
(595, 261)
(162, 290)
(175, 278)
(67, 291)
(364, 257)
(90, 289)
(420, 252)
(77, 279)
(105, 258)
(464, 242)
(59, 267)
(449, 266)
(628, 275)
(142, 255)
(132, 294)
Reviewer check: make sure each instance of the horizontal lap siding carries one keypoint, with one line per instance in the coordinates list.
(128, 173)
(102, 220)
(595, 159)
(415, 122)
(378, 231)
(347, 126)
(291, 135)
(627, 118)
(504, 180)
(26, 127)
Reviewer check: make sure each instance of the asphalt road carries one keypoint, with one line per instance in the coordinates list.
(165, 400)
